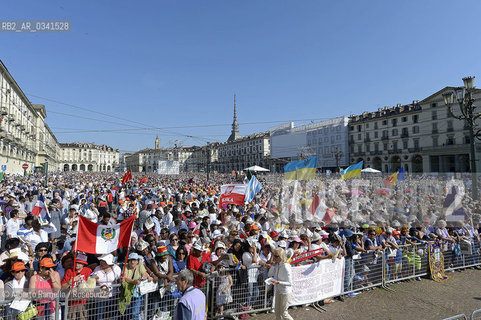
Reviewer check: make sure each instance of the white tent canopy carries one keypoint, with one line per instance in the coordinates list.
(256, 169)
(370, 170)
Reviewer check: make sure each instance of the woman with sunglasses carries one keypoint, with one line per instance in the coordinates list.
(41, 251)
(190, 238)
(173, 244)
(46, 282)
(180, 261)
(282, 274)
(15, 287)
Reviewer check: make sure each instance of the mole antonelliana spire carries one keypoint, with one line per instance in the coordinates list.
(235, 126)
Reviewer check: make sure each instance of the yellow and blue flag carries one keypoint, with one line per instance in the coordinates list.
(301, 170)
(352, 171)
(394, 178)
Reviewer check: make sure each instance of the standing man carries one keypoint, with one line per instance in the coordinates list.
(13, 224)
(192, 304)
(110, 199)
(29, 204)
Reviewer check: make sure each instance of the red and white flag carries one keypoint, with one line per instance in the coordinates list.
(318, 207)
(101, 239)
(232, 193)
(328, 216)
(40, 209)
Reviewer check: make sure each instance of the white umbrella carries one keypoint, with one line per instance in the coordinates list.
(256, 168)
(370, 170)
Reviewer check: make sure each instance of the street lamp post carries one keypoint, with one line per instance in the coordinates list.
(465, 100)
(338, 155)
(208, 161)
(46, 174)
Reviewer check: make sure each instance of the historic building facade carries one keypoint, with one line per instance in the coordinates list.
(20, 137)
(82, 156)
(25, 138)
(419, 137)
(382, 139)
(48, 148)
(241, 153)
(150, 160)
(203, 158)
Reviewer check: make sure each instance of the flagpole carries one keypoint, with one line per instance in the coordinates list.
(75, 258)
(128, 248)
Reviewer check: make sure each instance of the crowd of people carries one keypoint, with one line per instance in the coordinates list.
(182, 238)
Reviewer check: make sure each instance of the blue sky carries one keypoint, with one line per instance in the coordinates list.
(171, 63)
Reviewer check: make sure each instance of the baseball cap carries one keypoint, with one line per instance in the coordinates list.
(47, 263)
(348, 233)
(134, 256)
(81, 258)
(18, 266)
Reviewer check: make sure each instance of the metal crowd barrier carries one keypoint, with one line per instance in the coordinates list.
(365, 272)
(407, 262)
(476, 315)
(250, 294)
(457, 317)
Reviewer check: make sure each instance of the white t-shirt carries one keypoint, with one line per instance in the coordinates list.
(12, 227)
(247, 261)
(34, 238)
(108, 278)
(336, 251)
(322, 246)
(263, 257)
(91, 215)
(167, 219)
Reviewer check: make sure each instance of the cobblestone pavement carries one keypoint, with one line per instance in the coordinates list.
(423, 299)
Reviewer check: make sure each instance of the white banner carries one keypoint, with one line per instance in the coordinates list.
(168, 167)
(317, 281)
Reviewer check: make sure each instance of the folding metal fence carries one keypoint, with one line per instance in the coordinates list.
(476, 315)
(406, 262)
(238, 292)
(457, 317)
